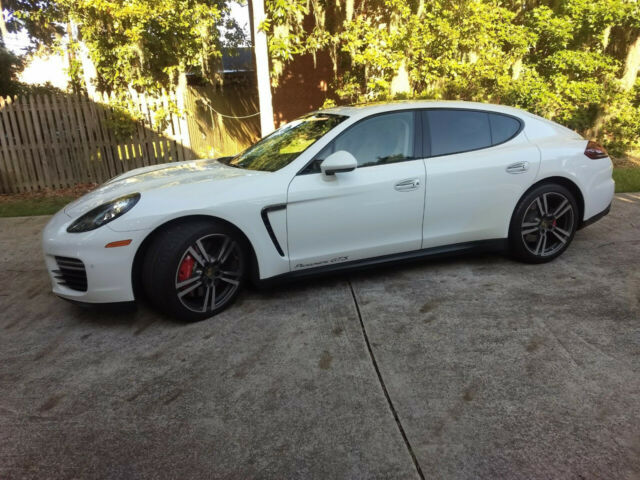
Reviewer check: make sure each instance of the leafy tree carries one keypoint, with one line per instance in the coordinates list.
(43, 20)
(10, 66)
(144, 44)
(574, 61)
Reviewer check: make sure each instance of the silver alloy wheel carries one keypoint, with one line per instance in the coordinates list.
(209, 272)
(547, 224)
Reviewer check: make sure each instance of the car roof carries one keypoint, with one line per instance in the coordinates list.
(537, 126)
(371, 109)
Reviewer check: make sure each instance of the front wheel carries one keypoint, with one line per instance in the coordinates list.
(543, 224)
(193, 271)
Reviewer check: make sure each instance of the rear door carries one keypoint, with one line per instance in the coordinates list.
(478, 165)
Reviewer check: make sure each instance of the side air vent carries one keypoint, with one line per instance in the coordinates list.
(71, 273)
(265, 218)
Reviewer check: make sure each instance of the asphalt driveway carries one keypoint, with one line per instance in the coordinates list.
(474, 367)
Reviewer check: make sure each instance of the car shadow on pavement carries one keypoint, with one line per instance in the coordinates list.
(141, 314)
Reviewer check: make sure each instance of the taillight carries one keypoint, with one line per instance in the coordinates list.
(595, 150)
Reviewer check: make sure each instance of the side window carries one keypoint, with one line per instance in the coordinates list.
(503, 128)
(378, 140)
(455, 131)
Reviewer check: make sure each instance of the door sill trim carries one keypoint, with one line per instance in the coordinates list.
(492, 245)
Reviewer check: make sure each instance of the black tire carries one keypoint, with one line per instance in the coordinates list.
(184, 274)
(543, 223)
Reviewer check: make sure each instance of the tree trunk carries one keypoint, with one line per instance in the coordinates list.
(606, 37)
(75, 82)
(261, 52)
(181, 93)
(89, 73)
(516, 69)
(627, 81)
(348, 10)
(631, 65)
(3, 26)
(400, 82)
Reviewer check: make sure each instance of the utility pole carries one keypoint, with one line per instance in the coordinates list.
(261, 52)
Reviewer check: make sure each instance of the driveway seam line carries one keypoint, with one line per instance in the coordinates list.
(383, 385)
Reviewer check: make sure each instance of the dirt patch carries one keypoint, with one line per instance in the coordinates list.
(534, 344)
(325, 361)
(50, 403)
(627, 161)
(427, 307)
(76, 191)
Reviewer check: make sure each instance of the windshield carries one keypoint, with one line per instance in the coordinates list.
(283, 146)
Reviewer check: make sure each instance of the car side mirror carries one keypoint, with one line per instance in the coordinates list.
(338, 162)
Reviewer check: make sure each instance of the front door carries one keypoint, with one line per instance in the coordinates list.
(374, 210)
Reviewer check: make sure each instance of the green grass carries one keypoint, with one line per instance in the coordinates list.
(32, 206)
(627, 179)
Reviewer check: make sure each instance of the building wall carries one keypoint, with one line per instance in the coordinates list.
(303, 87)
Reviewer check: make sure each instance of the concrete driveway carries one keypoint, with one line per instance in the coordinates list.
(476, 367)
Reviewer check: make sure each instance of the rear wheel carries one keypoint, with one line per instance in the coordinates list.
(193, 271)
(543, 224)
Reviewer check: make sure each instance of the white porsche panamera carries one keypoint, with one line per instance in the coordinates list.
(336, 189)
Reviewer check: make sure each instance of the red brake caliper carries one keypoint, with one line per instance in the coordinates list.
(186, 268)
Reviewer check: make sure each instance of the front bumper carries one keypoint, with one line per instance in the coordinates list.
(108, 270)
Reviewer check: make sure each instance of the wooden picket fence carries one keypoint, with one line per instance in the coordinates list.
(58, 141)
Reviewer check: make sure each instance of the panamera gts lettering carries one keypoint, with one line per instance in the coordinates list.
(322, 262)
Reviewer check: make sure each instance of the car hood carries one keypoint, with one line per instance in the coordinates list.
(156, 177)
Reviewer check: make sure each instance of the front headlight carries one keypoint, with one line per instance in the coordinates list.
(104, 214)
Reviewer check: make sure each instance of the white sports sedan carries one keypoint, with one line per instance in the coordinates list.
(336, 189)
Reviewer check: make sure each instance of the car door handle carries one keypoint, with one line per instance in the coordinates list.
(518, 167)
(407, 185)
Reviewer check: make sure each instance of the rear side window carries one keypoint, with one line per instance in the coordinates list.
(502, 128)
(457, 131)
